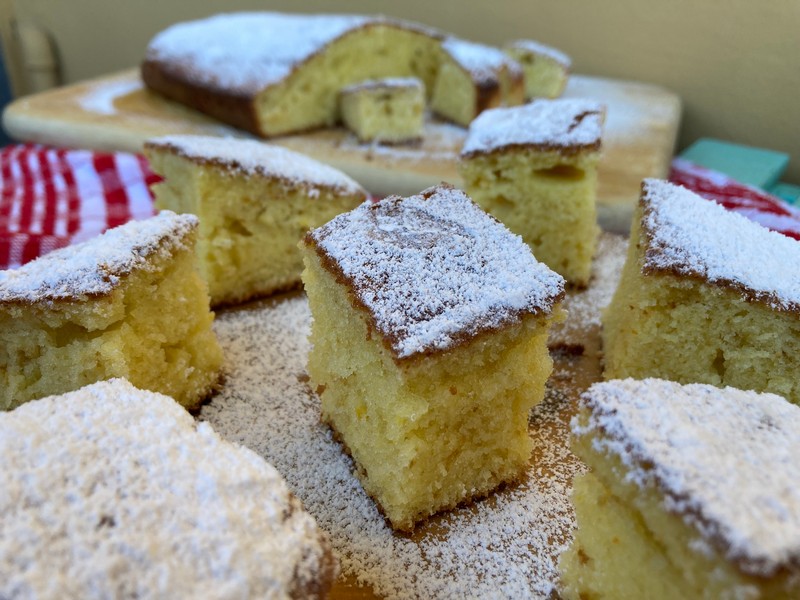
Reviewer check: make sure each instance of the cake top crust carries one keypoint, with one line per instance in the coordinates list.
(95, 267)
(251, 157)
(433, 270)
(247, 52)
(690, 236)
(482, 62)
(568, 126)
(726, 460)
(386, 82)
(535, 47)
(110, 476)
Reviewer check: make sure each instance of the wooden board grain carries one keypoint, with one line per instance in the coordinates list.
(116, 112)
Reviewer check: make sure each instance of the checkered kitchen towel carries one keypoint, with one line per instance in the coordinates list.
(50, 198)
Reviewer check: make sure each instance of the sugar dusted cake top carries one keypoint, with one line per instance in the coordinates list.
(726, 459)
(386, 82)
(96, 266)
(538, 48)
(246, 52)
(110, 489)
(567, 125)
(694, 237)
(251, 157)
(434, 270)
(481, 61)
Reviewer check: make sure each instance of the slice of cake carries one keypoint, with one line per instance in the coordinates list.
(546, 68)
(705, 296)
(255, 201)
(472, 78)
(390, 110)
(692, 493)
(129, 303)
(534, 167)
(114, 492)
(429, 347)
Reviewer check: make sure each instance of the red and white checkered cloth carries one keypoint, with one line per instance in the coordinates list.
(50, 198)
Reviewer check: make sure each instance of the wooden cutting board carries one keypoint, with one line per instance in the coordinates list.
(116, 112)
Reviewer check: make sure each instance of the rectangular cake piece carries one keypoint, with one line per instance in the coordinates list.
(390, 110)
(429, 333)
(534, 167)
(110, 491)
(129, 303)
(255, 201)
(706, 296)
(692, 493)
(546, 68)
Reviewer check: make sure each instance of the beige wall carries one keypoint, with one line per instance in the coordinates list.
(735, 63)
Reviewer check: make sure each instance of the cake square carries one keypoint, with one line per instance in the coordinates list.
(129, 303)
(691, 493)
(429, 347)
(706, 296)
(534, 167)
(390, 110)
(115, 492)
(255, 201)
(546, 68)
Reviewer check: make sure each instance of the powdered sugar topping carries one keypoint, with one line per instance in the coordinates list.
(725, 458)
(434, 269)
(565, 123)
(693, 236)
(254, 157)
(386, 82)
(535, 47)
(246, 52)
(110, 491)
(481, 61)
(95, 267)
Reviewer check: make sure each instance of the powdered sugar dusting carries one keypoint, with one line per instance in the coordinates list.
(481, 61)
(434, 269)
(112, 492)
(726, 459)
(693, 236)
(535, 47)
(254, 157)
(95, 267)
(386, 82)
(503, 546)
(563, 123)
(246, 52)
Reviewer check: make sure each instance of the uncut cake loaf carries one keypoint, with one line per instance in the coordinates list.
(534, 167)
(472, 78)
(114, 492)
(692, 493)
(429, 347)
(706, 296)
(129, 303)
(274, 74)
(546, 68)
(255, 201)
(390, 110)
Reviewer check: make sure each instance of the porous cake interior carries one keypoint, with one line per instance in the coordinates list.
(154, 330)
(687, 330)
(455, 95)
(544, 76)
(389, 113)
(434, 432)
(624, 529)
(309, 96)
(249, 224)
(545, 198)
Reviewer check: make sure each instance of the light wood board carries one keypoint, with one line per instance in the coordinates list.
(116, 112)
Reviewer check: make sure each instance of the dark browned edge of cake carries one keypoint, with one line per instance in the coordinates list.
(177, 82)
(235, 165)
(683, 271)
(565, 151)
(460, 338)
(410, 530)
(751, 568)
(174, 245)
